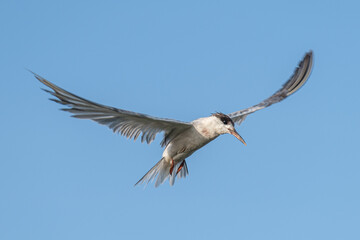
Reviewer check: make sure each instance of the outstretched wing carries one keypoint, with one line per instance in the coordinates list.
(296, 81)
(129, 124)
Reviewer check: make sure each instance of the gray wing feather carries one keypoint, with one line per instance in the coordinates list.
(127, 123)
(297, 80)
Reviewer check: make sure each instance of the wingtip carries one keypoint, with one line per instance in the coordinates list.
(31, 72)
(37, 76)
(310, 54)
(301, 74)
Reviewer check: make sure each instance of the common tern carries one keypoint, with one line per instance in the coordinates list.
(181, 139)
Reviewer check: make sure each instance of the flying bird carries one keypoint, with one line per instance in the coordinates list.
(181, 139)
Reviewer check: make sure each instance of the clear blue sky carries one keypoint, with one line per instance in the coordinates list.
(64, 178)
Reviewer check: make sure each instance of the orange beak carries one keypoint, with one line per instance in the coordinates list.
(234, 132)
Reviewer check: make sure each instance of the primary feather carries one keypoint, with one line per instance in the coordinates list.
(127, 123)
(296, 81)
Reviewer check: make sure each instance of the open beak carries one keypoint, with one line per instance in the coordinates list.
(234, 132)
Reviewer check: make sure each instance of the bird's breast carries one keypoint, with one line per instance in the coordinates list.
(185, 144)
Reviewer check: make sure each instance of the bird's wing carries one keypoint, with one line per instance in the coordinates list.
(129, 124)
(297, 80)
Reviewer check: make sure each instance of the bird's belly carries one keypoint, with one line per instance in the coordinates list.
(184, 145)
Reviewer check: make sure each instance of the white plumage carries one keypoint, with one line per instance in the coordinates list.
(181, 139)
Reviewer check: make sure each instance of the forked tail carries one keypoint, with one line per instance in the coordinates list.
(162, 171)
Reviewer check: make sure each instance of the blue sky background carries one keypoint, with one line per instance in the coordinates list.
(63, 178)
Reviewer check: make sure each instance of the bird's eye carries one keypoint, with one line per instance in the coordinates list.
(224, 120)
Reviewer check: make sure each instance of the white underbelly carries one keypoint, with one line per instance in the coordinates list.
(184, 145)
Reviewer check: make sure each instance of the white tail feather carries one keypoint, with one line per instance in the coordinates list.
(162, 171)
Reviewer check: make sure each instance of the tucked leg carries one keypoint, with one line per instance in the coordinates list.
(180, 167)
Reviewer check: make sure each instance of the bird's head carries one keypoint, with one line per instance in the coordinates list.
(226, 125)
